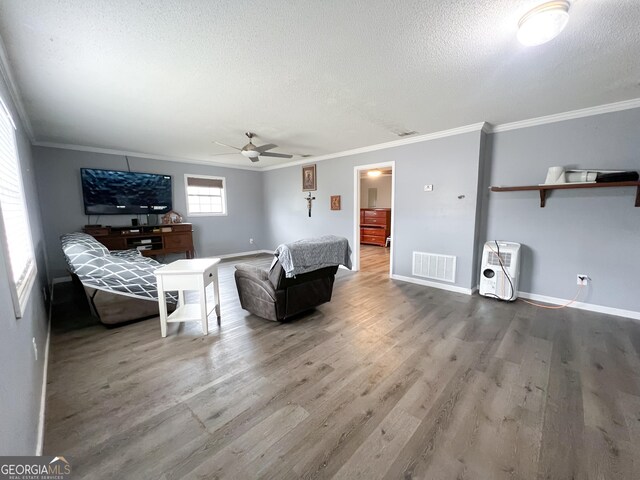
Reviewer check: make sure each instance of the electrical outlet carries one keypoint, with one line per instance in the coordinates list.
(251, 241)
(583, 279)
(428, 188)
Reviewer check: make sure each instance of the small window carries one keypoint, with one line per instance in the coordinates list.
(205, 195)
(15, 232)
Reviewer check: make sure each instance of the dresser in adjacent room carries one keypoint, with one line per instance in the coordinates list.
(375, 225)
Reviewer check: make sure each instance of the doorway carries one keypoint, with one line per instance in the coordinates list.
(374, 196)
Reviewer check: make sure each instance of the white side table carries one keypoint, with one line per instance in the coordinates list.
(181, 275)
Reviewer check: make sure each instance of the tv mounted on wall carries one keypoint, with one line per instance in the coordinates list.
(112, 192)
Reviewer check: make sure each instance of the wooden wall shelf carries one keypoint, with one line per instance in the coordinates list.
(568, 186)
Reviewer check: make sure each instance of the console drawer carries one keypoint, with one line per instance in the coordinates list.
(373, 232)
(375, 213)
(372, 240)
(374, 221)
(178, 240)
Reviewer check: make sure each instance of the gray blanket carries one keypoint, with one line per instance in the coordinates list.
(312, 254)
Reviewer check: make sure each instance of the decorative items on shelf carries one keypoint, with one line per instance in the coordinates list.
(171, 217)
(309, 183)
(559, 176)
(335, 202)
(543, 189)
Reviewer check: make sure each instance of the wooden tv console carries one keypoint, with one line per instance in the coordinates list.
(151, 240)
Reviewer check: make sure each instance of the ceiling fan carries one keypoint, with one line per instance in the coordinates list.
(254, 153)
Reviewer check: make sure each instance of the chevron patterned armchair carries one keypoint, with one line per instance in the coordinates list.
(120, 285)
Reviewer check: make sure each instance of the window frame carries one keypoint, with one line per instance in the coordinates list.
(21, 292)
(224, 212)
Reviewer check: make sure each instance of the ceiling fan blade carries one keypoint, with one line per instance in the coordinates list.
(222, 154)
(264, 148)
(225, 145)
(254, 159)
(277, 155)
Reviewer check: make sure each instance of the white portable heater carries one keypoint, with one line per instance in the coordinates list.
(500, 270)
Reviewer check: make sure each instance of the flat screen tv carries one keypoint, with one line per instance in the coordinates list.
(112, 192)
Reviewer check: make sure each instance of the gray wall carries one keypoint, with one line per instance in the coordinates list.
(383, 186)
(434, 222)
(58, 176)
(595, 232)
(21, 374)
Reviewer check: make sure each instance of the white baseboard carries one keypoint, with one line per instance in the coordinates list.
(242, 254)
(581, 305)
(427, 283)
(43, 392)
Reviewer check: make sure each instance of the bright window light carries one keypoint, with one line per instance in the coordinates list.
(205, 195)
(15, 233)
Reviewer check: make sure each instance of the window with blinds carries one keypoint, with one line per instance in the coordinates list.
(16, 235)
(205, 195)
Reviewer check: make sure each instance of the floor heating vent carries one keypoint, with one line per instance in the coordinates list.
(431, 265)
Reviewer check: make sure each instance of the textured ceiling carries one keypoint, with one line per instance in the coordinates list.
(315, 77)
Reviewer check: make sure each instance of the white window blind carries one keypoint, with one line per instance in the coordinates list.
(17, 246)
(205, 195)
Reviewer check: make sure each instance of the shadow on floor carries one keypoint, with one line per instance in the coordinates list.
(70, 308)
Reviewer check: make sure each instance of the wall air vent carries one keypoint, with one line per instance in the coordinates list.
(431, 265)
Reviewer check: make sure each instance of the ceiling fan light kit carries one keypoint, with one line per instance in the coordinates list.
(543, 23)
(254, 153)
(250, 153)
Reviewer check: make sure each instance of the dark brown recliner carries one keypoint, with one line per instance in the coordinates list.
(271, 295)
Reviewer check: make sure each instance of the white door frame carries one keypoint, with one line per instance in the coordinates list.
(356, 211)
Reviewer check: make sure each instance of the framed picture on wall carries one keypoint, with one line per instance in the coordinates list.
(309, 178)
(335, 202)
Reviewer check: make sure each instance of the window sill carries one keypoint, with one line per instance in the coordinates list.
(207, 214)
(20, 301)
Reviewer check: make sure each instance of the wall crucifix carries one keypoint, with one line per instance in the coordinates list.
(309, 199)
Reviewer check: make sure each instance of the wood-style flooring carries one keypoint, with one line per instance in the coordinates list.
(389, 380)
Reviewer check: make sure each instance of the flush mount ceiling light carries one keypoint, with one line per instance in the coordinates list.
(374, 173)
(543, 23)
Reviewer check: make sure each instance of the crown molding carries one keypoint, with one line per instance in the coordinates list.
(14, 92)
(573, 114)
(122, 153)
(476, 127)
(381, 146)
(482, 127)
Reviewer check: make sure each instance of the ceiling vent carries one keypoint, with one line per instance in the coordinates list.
(405, 133)
(437, 267)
